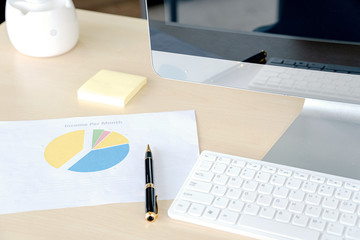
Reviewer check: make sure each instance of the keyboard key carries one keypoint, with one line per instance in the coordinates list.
(220, 179)
(235, 182)
(330, 215)
(353, 233)
(233, 171)
(283, 216)
(203, 176)
(296, 207)
(205, 165)
(330, 202)
(356, 197)
(264, 200)
(224, 160)
(233, 193)
(326, 190)
(334, 182)
(301, 176)
(274, 81)
(228, 216)
(247, 173)
(352, 186)
(300, 220)
(347, 206)
(313, 199)
(276, 60)
(262, 177)
(284, 172)
(211, 213)
(317, 224)
(221, 202)
(289, 62)
(316, 65)
(181, 206)
(348, 219)
(313, 211)
(326, 236)
(238, 163)
(281, 192)
(296, 195)
(317, 179)
(251, 209)
(236, 205)
(277, 228)
(343, 194)
(208, 157)
(277, 180)
(197, 197)
(267, 212)
(219, 168)
(265, 188)
(268, 169)
(254, 166)
(199, 186)
(335, 228)
(250, 185)
(309, 187)
(196, 209)
(249, 197)
(218, 190)
(261, 80)
(280, 203)
(301, 64)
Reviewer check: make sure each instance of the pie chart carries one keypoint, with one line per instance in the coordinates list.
(108, 149)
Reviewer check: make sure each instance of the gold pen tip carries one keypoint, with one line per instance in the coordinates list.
(148, 148)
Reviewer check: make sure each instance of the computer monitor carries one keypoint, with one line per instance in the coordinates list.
(298, 48)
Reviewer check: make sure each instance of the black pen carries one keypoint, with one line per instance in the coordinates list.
(257, 58)
(151, 207)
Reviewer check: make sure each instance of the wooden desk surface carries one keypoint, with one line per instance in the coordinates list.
(230, 121)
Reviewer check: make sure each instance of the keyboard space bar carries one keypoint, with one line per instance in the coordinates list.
(276, 228)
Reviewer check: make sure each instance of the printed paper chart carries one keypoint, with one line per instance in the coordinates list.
(108, 149)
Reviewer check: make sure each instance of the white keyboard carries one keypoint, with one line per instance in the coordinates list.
(268, 201)
(308, 83)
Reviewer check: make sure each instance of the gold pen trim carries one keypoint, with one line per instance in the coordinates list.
(149, 185)
(152, 216)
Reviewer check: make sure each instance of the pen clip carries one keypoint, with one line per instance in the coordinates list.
(156, 205)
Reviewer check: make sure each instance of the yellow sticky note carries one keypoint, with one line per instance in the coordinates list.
(111, 87)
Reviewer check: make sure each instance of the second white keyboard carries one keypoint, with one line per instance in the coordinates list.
(308, 83)
(268, 201)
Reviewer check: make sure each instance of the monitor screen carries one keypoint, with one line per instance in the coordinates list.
(286, 33)
(308, 49)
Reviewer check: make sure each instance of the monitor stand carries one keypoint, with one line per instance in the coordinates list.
(325, 138)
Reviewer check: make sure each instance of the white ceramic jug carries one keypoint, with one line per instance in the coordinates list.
(42, 28)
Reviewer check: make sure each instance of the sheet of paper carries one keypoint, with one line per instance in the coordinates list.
(47, 164)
